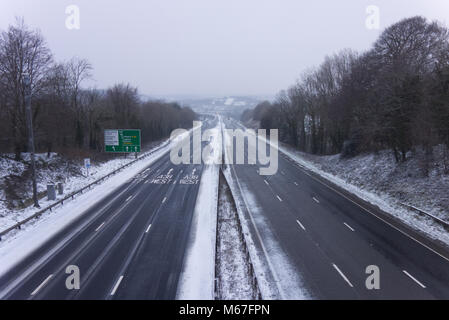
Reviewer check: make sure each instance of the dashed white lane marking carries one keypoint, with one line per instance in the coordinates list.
(279, 198)
(342, 275)
(413, 278)
(99, 227)
(316, 200)
(350, 228)
(266, 182)
(116, 285)
(300, 224)
(148, 229)
(129, 198)
(295, 183)
(42, 285)
(165, 199)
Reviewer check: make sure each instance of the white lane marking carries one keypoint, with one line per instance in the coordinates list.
(266, 182)
(170, 171)
(148, 229)
(316, 200)
(414, 279)
(350, 228)
(165, 199)
(300, 224)
(129, 198)
(372, 213)
(42, 285)
(147, 181)
(279, 198)
(342, 275)
(99, 227)
(295, 183)
(116, 285)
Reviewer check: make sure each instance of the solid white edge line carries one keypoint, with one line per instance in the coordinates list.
(413, 278)
(42, 285)
(342, 275)
(300, 224)
(99, 227)
(279, 198)
(148, 229)
(349, 227)
(116, 285)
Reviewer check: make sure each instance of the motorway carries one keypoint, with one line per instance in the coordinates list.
(130, 245)
(330, 238)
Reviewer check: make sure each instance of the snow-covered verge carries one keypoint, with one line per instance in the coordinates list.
(377, 179)
(18, 245)
(51, 170)
(197, 280)
(234, 278)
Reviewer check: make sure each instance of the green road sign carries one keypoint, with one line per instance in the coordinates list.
(122, 140)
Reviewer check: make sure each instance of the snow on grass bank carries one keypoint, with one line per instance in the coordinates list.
(235, 282)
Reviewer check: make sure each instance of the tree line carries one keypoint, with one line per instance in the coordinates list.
(393, 96)
(67, 117)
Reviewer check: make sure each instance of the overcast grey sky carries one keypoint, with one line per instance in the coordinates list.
(209, 47)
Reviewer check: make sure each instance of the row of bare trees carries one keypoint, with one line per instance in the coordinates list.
(67, 116)
(394, 96)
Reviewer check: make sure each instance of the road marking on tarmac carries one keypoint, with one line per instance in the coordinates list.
(42, 285)
(350, 228)
(148, 229)
(116, 285)
(99, 227)
(413, 278)
(300, 224)
(295, 183)
(316, 200)
(129, 198)
(342, 275)
(266, 182)
(279, 198)
(165, 199)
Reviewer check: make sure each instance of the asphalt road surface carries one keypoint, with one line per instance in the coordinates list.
(330, 237)
(130, 245)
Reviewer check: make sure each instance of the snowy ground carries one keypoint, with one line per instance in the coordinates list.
(232, 265)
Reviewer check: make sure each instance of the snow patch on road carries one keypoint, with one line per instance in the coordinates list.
(197, 280)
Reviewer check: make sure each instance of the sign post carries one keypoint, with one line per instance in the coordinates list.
(122, 140)
(87, 166)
